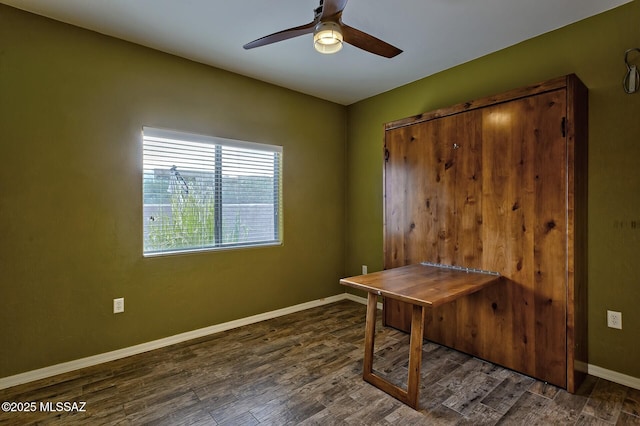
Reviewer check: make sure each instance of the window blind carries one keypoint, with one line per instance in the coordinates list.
(204, 192)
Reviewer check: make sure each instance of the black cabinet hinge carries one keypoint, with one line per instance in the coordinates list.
(564, 127)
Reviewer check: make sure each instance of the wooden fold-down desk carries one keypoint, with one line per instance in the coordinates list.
(423, 286)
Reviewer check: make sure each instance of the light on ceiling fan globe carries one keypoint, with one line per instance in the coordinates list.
(327, 38)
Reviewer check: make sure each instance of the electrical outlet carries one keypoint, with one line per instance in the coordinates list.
(118, 305)
(614, 319)
(364, 270)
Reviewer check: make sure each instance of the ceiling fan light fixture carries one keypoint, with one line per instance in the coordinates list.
(327, 37)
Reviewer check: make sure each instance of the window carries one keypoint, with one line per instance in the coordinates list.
(202, 192)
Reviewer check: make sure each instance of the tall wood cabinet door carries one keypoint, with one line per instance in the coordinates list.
(487, 189)
(432, 193)
(524, 195)
(432, 189)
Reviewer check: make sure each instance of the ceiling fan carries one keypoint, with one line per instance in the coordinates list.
(329, 32)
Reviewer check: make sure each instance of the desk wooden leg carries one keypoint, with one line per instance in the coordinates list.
(415, 355)
(410, 396)
(370, 334)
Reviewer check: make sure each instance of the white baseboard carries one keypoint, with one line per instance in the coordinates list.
(65, 367)
(43, 373)
(614, 376)
(359, 299)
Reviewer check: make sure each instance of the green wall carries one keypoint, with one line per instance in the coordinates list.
(72, 106)
(594, 50)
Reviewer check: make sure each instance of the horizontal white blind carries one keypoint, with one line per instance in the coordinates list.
(203, 192)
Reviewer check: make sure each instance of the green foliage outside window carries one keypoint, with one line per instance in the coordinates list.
(190, 224)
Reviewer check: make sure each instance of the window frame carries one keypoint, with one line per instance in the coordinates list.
(218, 244)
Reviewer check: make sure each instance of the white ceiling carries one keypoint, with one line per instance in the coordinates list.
(434, 34)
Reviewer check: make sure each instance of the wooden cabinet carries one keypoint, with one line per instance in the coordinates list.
(498, 184)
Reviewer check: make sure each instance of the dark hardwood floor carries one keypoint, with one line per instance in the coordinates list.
(305, 368)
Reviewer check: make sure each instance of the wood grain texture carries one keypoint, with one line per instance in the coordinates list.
(421, 285)
(306, 368)
(556, 83)
(498, 184)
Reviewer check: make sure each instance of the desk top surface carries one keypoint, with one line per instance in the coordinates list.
(420, 284)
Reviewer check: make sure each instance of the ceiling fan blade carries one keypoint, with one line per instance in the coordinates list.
(332, 7)
(368, 42)
(282, 35)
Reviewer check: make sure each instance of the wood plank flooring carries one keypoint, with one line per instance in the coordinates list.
(306, 368)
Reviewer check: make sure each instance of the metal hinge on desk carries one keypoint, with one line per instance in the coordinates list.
(460, 268)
